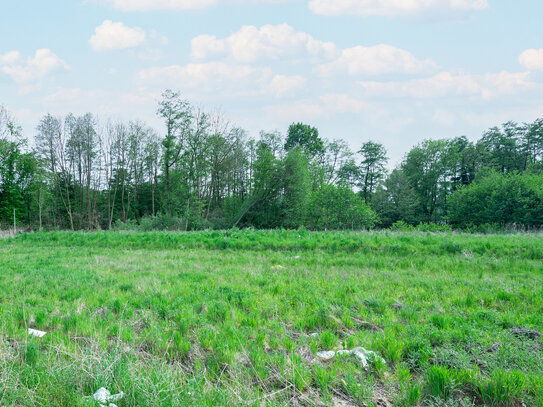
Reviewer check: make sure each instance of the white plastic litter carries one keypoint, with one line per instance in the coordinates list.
(364, 355)
(104, 396)
(35, 332)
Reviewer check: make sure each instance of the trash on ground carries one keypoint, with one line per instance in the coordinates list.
(365, 356)
(35, 332)
(104, 396)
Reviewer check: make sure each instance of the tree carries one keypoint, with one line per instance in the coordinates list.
(177, 116)
(372, 167)
(336, 158)
(297, 188)
(306, 137)
(396, 200)
(501, 199)
(532, 146)
(48, 136)
(338, 207)
(262, 208)
(17, 171)
(426, 171)
(500, 148)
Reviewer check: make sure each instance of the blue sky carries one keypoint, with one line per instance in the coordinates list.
(393, 71)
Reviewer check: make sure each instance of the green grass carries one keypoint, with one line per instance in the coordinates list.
(237, 318)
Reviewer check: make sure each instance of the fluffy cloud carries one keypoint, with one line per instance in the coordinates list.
(149, 5)
(269, 42)
(532, 59)
(283, 43)
(216, 77)
(205, 76)
(178, 5)
(114, 36)
(9, 58)
(446, 84)
(378, 59)
(394, 7)
(43, 63)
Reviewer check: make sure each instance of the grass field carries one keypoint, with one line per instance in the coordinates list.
(237, 318)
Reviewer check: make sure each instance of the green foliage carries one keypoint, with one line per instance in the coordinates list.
(203, 173)
(373, 167)
(501, 199)
(401, 226)
(396, 200)
(340, 208)
(297, 189)
(306, 137)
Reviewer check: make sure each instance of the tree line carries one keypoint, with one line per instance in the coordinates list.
(201, 171)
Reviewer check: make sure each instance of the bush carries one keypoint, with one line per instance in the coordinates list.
(401, 226)
(433, 227)
(496, 198)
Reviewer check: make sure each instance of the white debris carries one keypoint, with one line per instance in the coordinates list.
(326, 355)
(104, 396)
(365, 356)
(35, 332)
(296, 257)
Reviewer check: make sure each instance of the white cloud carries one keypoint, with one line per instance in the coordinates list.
(179, 5)
(532, 59)
(205, 76)
(377, 59)
(282, 85)
(283, 43)
(10, 57)
(269, 42)
(394, 7)
(43, 63)
(114, 36)
(446, 84)
(217, 77)
(149, 5)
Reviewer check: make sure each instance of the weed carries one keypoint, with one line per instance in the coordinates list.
(502, 389)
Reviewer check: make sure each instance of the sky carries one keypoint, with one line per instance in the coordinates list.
(392, 71)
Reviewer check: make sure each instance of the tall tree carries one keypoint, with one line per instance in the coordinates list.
(372, 167)
(306, 137)
(426, 171)
(177, 116)
(297, 188)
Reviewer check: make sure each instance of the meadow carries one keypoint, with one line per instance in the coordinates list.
(237, 318)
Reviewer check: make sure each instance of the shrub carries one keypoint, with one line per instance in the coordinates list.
(401, 226)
